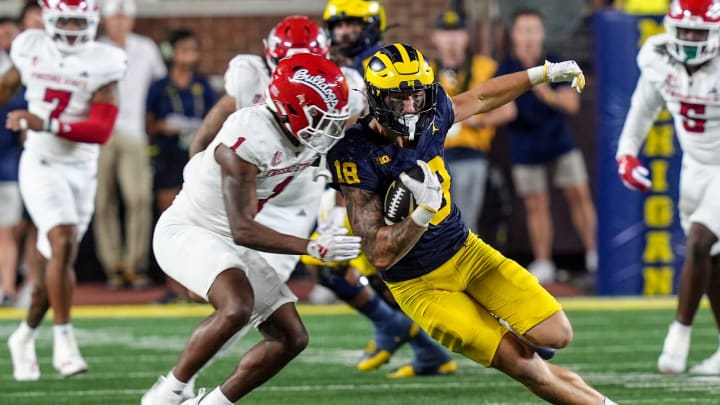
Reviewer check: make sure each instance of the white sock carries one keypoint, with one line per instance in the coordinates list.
(609, 402)
(26, 331)
(683, 330)
(65, 329)
(215, 397)
(172, 383)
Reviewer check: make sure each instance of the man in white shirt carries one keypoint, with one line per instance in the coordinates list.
(124, 159)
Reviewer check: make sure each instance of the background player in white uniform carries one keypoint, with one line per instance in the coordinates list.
(208, 240)
(72, 95)
(681, 69)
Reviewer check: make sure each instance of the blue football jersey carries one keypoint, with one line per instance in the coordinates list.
(366, 160)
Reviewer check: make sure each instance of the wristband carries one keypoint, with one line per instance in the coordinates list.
(52, 125)
(422, 215)
(537, 74)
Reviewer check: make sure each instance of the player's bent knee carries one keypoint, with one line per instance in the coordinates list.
(297, 342)
(235, 316)
(555, 332)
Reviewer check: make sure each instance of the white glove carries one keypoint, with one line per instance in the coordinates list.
(334, 246)
(427, 193)
(567, 71)
(333, 219)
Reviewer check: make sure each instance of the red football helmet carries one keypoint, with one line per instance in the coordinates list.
(701, 16)
(309, 95)
(84, 13)
(293, 35)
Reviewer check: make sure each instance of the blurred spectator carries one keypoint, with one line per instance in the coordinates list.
(124, 161)
(176, 105)
(468, 143)
(10, 201)
(540, 138)
(30, 16)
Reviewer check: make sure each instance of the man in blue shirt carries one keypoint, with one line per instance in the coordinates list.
(540, 138)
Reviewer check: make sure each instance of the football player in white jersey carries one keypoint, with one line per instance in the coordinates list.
(246, 79)
(71, 85)
(681, 70)
(208, 240)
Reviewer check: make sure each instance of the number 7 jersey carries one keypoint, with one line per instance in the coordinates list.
(62, 86)
(693, 100)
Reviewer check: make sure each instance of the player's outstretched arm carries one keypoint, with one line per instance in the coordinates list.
(497, 91)
(212, 123)
(240, 197)
(383, 245)
(9, 84)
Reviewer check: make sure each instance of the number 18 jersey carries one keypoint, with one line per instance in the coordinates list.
(368, 161)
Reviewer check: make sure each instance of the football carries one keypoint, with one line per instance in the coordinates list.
(399, 200)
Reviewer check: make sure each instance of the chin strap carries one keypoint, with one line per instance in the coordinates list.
(321, 172)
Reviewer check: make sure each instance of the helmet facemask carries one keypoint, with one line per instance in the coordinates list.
(324, 128)
(388, 107)
(692, 52)
(70, 40)
(693, 27)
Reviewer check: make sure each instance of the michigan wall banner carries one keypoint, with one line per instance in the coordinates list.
(640, 242)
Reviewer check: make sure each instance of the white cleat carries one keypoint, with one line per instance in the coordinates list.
(196, 400)
(24, 359)
(189, 391)
(66, 356)
(156, 395)
(673, 358)
(69, 366)
(709, 366)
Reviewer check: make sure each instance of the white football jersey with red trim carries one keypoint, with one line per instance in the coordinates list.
(693, 100)
(255, 136)
(61, 86)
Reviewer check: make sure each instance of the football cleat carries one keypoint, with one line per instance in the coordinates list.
(24, 359)
(66, 355)
(709, 366)
(409, 370)
(381, 349)
(673, 358)
(156, 395)
(196, 400)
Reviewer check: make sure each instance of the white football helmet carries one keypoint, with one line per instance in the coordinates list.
(84, 13)
(699, 15)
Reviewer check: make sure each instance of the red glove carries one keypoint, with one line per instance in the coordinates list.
(633, 174)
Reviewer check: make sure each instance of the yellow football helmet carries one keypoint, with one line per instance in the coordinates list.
(371, 13)
(400, 68)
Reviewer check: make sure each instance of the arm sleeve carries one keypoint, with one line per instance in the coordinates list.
(96, 129)
(644, 107)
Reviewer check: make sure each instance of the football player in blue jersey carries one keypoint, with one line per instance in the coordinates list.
(457, 288)
(356, 28)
